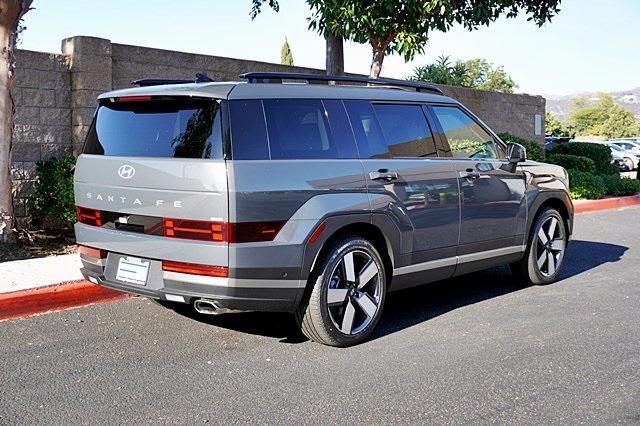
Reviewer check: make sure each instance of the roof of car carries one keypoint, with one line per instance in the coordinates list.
(244, 90)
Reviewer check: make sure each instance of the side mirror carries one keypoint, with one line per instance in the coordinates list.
(516, 153)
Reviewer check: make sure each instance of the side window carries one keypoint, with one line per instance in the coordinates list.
(299, 129)
(466, 138)
(248, 131)
(390, 130)
(371, 143)
(340, 128)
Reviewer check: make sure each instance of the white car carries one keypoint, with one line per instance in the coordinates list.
(629, 158)
(629, 145)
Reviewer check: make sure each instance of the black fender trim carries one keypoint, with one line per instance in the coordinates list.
(546, 197)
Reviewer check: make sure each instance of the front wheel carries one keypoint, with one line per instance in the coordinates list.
(545, 249)
(347, 295)
(628, 162)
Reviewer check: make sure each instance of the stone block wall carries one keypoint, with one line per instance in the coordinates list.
(55, 97)
(42, 127)
(504, 112)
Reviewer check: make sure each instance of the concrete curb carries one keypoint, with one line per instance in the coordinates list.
(587, 206)
(58, 297)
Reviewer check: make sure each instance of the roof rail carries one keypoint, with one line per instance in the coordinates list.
(278, 77)
(144, 82)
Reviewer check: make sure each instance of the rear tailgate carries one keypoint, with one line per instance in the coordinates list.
(146, 162)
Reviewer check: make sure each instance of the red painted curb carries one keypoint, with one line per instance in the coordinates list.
(54, 298)
(587, 206)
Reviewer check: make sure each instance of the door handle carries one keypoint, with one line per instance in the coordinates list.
(473, 175)
(383, 174)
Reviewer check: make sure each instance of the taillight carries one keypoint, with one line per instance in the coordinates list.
(92, 252)
(195, 230)
(244, 232)
(248, 232)
(89, 216)
(195, 269)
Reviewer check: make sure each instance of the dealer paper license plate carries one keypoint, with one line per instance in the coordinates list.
(133, 270)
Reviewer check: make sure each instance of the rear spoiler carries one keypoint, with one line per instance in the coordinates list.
(145, 82)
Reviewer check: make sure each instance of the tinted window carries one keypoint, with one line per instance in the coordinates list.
(299, 129)
(340, 129)
(406, 130)
(248, 131)
(166, 128)
(366, 129)
(466, 138)
(390, 130)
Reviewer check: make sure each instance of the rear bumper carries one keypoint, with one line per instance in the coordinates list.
(229, 293)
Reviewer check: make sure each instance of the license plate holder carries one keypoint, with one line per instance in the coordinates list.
(133, 270)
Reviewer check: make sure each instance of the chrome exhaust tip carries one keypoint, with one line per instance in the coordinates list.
(207, 307)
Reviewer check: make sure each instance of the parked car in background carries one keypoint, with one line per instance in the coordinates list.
(628, 144)
(629, 158)
(551, 142)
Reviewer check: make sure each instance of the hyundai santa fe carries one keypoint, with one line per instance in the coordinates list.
(310, 194)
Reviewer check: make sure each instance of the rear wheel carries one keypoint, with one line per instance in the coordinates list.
(545, 249)
(348, 293)
(628, 162)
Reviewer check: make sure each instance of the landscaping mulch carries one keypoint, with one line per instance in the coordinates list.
(37, 244)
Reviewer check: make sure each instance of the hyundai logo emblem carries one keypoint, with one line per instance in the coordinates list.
(126, 171)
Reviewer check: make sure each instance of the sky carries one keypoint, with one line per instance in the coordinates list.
(592, 45)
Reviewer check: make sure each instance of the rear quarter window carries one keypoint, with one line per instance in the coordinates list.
(177, 128)
(290, 129)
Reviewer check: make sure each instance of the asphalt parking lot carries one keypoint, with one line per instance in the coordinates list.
(473, 349)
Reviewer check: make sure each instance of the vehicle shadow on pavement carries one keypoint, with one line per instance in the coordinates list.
(413, 306)
(409, 307)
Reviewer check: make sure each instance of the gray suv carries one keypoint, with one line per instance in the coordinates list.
(310, 194)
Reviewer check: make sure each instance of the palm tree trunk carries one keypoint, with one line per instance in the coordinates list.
(11, 12)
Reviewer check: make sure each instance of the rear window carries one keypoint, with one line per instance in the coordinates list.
(189, 128)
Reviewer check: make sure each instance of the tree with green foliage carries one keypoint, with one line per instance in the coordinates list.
(604, 118)
(404, 26)
(475, 73)
(442, 71)
(484, 76)
(286, 57)
(553, 126)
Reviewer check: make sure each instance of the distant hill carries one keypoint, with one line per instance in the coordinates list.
(629, 99)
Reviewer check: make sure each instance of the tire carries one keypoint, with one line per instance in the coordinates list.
(545, 249)
(628, 162)
(347, 290)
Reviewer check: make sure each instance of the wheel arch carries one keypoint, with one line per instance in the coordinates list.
(361, 225)
(559, 201)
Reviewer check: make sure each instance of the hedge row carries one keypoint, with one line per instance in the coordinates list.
(598, 153)
(573, 162)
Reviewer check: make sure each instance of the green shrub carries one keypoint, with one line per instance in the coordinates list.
(586, 186)
(53, 203)
(600, 154)
(619, 186)
(576, 162)
(535, 152)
